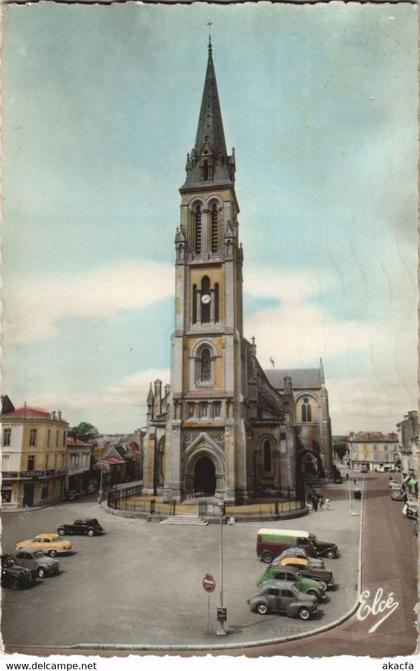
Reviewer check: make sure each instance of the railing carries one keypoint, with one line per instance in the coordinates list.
(130, 499)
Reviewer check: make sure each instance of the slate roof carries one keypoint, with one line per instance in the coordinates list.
(210, 131)
(302, 378)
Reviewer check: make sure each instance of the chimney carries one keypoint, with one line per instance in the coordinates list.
(59, 415)
(53, 415)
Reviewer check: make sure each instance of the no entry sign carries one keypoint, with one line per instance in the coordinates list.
(208, 582)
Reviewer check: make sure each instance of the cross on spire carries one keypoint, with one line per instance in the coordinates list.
(210, 23)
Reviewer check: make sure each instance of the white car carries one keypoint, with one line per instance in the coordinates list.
(379, 469)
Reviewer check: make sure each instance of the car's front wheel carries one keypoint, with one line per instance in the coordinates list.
(61, 532)
(261, 608)
(41, 572)
(52, 553)
(331, 554)
(91, 533)
(304, 613)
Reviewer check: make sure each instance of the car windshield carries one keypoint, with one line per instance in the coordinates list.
(55, 538)
(313, 538)
(38, 554)
(294, 589)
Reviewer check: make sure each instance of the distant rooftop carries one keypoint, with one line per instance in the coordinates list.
(374, 436)
(302, 378)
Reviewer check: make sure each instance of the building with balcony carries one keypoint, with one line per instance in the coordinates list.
(78, 465)
(372, 449)
(33, 455)
(408, 437)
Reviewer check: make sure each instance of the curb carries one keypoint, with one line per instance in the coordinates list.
(230, 646)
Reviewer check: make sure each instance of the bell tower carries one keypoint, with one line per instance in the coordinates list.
(205, 450)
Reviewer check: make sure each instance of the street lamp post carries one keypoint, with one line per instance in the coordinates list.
(221, 611)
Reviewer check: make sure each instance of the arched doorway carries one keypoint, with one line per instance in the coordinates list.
(204, 476)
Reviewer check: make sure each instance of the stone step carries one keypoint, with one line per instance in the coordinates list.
(184, 519)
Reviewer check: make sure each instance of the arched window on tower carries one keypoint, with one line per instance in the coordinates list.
(205, 300)
(214, 229)
(267, 455)
(306, 410)
(194, 304)
(197, 229)
(216, 302)
(205, 365)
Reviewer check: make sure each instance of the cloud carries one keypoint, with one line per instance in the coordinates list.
(35, 306)
(368, 403)
(118, 407)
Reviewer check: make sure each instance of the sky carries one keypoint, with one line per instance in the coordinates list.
(101, 105)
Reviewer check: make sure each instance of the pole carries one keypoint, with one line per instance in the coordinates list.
(208, 613)
(350, 510)
(220, 623)
(100, 487)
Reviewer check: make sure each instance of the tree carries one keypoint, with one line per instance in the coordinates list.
(84, 431)
(340, 449)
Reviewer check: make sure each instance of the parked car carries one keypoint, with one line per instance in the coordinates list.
(277, 596)
(14, 576)
(379, 469)
(398, 494)
(91, 489)
(37, 561)
(291, 574)
(48, 542)
(324, 577)
(71, 495)
(81, 528)
(324, 548)
(294, 551)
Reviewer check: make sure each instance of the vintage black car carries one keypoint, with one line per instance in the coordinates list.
(81, 528)
(324, 548)
(15, 576)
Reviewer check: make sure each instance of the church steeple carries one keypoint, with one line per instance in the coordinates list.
(209, 163)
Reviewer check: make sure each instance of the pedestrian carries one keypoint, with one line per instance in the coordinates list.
(355, 481)
(347, 476)
(315, 503)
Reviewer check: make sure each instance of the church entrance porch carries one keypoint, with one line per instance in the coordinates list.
(204, 477)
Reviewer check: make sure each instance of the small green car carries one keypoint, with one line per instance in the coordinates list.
(291, 574)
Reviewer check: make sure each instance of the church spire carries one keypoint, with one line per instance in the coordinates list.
(209, 163)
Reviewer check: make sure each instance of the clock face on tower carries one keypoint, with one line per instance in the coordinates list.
(205, 299)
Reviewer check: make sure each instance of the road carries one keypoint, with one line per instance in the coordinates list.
(389, 554)
(140, 584)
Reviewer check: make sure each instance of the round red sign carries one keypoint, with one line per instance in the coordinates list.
(208, 582)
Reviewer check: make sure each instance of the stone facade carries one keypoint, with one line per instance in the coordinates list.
(220, 428)
(34, 456)
(311, 416)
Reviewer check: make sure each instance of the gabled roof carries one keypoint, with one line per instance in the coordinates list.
(302, 378)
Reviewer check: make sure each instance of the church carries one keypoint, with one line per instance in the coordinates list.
(225, 427)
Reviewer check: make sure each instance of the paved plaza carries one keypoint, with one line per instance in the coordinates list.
(140, 584)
